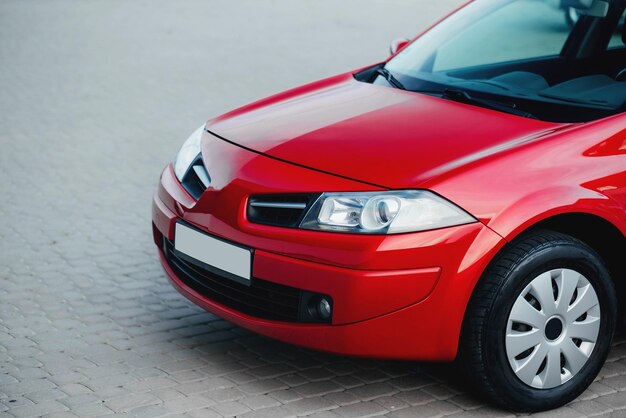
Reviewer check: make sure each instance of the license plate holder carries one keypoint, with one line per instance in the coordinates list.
(226, 259)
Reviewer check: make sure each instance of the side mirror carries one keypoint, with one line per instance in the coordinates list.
(398, 44)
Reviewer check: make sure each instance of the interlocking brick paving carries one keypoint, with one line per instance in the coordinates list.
(96, 97)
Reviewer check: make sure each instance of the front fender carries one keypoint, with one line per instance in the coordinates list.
(530, 209)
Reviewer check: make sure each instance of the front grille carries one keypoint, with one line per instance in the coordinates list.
(196, 179)
(261, 299)
(286, 210)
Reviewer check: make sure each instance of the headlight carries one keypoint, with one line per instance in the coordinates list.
(188, 153)
(391, 212)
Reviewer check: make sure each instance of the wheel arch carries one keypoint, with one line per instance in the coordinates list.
(483, 351)
(602, 235)
(605, 239)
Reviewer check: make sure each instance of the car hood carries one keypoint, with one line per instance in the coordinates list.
(375, 134)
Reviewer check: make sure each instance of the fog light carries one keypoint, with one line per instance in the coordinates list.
(315, 308)
(324, 309)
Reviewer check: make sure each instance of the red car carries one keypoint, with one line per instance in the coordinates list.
(465, 199)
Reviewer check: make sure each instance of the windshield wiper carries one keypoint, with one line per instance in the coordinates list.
(390, 78)
(462, 96)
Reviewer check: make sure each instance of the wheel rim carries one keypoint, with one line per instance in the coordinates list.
(552, 328)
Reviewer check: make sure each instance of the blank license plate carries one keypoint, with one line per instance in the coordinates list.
(218, 255)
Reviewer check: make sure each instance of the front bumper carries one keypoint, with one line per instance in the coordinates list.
(400, 297)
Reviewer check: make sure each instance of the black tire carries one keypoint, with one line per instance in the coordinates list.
(482, 347)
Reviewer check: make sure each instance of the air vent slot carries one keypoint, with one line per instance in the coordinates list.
(280, 210)
(196, 179)
(262, 300)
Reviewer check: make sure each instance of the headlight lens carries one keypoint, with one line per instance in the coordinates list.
(391, 212)
(188, 153)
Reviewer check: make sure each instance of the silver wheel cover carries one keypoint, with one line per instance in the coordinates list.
(552, 328)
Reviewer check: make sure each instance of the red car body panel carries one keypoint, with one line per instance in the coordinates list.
(578, 170)
(381, 285)
(395, 296)
(340, 119)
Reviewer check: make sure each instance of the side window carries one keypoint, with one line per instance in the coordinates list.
(503, 36)
(616, 40)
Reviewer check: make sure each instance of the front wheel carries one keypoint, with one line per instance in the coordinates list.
(540, 323)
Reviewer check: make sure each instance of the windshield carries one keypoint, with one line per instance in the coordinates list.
(558, 60)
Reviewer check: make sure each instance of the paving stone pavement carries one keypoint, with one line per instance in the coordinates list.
(95, 98)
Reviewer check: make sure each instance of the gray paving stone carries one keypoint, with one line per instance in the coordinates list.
(324, 414)
(361, 409)
(29, 386)
(271, 371)
(565, 412)
(17, 401)
(616, 382)
(183, 365)
(440, 391)
(127, 402)
(64, 414)
(371, 376)
(241, 378)
(274, 412)
(416, 411)
(148, 411)
(225, 395)
(151, 383)
(204, 385)
(286, 396)
(310, 405)
(411, 382)
(188, 376)
(149, 372)
(38, 409)
(318, 373)
(69, 378)
(342, 398)
(80, 399)
(204, 413)
(484, 412)
(221, 369)
(415, 397)
(600, 389)
(166, 394)
(231, 409)
(372, 391)
(348, 381)
(293, 380)
(318, 388)
(259, 402)
(590, 408)
(45, 395)
(614, 400)
(467, 402)
(612, 369)
(261, 387)
(185, 404)
(91, 410)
